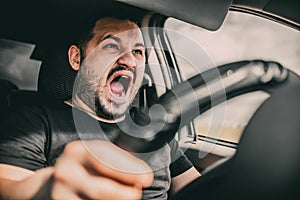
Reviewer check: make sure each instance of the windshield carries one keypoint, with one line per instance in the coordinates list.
(241, 37)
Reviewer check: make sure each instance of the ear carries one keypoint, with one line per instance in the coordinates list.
(74, 57)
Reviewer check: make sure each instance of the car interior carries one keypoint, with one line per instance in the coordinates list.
(260, 160)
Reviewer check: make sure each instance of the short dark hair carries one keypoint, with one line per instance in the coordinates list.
(85, 34)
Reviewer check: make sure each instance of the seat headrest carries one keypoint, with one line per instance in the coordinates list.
(56, 77)
(6, 89)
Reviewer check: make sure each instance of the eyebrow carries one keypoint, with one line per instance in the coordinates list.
(117, 39)
(139, 45)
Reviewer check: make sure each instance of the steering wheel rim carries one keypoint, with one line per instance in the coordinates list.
(179, 102)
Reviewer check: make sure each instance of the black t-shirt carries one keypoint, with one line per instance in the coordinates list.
(33, 137)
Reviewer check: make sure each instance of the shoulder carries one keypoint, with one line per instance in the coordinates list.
(28, 132)
(35, 115)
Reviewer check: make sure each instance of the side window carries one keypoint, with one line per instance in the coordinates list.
(241, 37)
(16, 65)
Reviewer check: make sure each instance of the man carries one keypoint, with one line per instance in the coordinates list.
(42, 144)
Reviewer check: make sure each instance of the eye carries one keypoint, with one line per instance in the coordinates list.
(111, 46)
(138, 52)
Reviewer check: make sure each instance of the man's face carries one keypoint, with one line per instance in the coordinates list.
(112, 72)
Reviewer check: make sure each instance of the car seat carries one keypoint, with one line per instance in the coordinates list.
(6, 89)
(56, 77)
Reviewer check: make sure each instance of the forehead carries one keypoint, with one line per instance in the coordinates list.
(107, 26)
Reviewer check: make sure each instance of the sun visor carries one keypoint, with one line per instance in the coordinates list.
(207, 14)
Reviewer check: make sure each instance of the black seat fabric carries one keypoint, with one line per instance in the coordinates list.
(55, 82)
(6, 89)
(267, 162)
(56, 77)
(11, 97)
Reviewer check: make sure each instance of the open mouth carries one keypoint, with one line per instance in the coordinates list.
(120, 83)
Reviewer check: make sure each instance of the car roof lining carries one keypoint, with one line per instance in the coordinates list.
(49, 22)
(36, 21)
(46, 22)
(210, 14)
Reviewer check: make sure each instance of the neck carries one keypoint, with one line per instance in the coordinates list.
(78, 103)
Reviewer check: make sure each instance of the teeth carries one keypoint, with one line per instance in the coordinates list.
(122, 94)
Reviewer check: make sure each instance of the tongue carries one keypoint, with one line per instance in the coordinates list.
(116, 87)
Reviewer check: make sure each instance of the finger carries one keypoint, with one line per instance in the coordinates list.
(119, 164)
(81, 182)
(62, 191)
(104, 188)
(109, 160)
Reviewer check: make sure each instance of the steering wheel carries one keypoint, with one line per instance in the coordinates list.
(266, 163)
(144, 132)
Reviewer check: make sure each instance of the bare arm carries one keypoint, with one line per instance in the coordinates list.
(180, 181)
(100, 171)
(20, 183)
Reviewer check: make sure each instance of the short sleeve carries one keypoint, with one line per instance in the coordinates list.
(179, 162)
(23, 138)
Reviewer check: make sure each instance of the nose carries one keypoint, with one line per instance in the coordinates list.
(127, 59)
